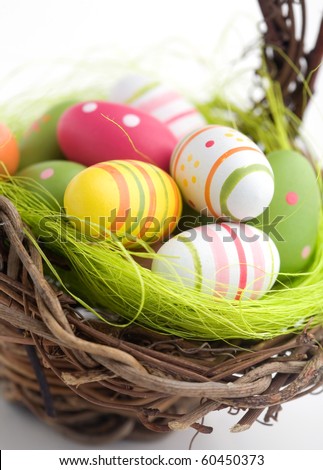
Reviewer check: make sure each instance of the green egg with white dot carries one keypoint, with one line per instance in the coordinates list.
(53, 176)
(292, 217)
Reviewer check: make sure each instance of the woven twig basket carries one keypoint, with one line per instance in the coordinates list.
(91, 380)
(95, 382)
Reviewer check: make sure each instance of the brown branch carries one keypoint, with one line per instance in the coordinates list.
(279, 41)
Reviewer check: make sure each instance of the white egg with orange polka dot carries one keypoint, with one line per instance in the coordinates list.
(229, 260)
(223, 173)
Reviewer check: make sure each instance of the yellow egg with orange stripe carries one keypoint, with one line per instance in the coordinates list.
(132, 199)
(221, 172)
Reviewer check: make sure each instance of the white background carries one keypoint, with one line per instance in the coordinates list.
(195, 45)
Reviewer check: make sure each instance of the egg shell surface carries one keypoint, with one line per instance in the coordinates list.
(132, 199)
(168, 106)
(292, 218)
(9, 151)
(221, 172)
(228, 260)
(92, 132)
(53, 175)
(40, 141)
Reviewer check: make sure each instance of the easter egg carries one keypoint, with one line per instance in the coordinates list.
(168, 106)
(228, 260)
(97, 131)
(40, 141)
(9, 152)
(53, 175)
(221, 172)
(292, 218)
(129, 198)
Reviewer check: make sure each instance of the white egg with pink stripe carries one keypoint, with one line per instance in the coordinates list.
(229, 260)
(168, 106)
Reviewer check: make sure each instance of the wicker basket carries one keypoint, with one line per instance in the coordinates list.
(95, 382)
(90, 380)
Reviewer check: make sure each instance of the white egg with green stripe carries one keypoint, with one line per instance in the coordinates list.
(229, 260)
(222, 172)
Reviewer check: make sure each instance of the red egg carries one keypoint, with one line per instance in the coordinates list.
(97, 131)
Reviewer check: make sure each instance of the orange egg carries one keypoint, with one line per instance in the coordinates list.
(9, 152)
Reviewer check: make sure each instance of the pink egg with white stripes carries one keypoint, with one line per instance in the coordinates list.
(96, 131)
(168, 106)
(229, 260)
